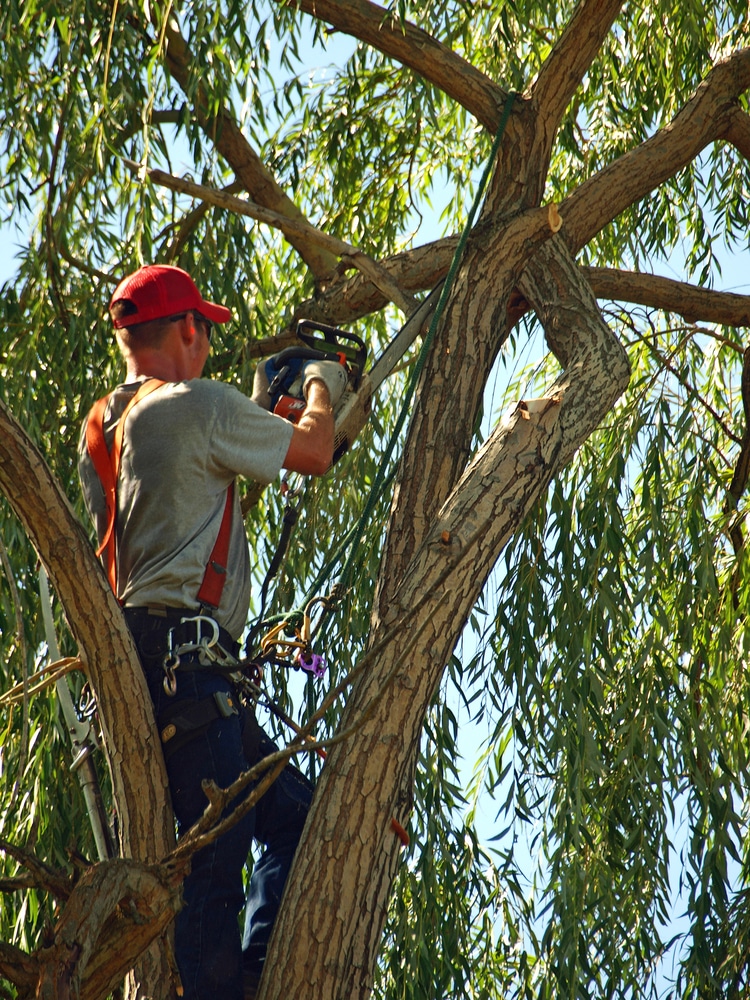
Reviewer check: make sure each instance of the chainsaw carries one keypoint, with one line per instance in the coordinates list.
(318, 342)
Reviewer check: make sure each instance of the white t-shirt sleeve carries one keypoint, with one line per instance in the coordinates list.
(247, 439)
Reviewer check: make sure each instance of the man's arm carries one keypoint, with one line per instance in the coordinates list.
(311, 448)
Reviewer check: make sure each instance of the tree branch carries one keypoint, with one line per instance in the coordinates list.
(742, 468)
(695, 305)
(705, 117)
(420, 269)
(7, 567)
(737, 131)
(223, 131)
(455, 554)
(568, 63)
(295, 230)
(19, 968)
(116, 910)
(415, 48)
(42, 876)
(106, 646)
(97, 623)
(350, 298)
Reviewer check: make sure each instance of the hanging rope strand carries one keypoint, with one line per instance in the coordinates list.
(386, 469)
(383, 477)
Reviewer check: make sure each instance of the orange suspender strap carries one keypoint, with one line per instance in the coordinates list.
(107, 466)
(215, 576)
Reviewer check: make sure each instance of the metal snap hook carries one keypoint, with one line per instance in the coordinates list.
(170, 663)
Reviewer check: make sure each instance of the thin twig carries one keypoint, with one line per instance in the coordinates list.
(370, 268)
(52, 880)
(21, 646)
(205, 832)
(690, 389)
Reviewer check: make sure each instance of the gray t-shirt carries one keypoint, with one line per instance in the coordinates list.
(182, 446)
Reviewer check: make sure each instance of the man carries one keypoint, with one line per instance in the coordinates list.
(157, 460)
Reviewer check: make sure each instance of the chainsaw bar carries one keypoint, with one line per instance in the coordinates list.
(353, 409)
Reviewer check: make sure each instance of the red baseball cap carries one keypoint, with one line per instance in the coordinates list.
(160, 290)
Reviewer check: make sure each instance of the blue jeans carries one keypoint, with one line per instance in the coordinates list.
(211, 952)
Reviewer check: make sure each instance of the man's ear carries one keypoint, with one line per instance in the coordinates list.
(188, 329)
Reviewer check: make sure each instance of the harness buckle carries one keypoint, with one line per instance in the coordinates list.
(201, 642)
(209, 649)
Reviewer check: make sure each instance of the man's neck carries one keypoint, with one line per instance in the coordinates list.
(150, 364)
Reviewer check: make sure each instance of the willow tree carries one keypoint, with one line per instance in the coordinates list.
(558, 565)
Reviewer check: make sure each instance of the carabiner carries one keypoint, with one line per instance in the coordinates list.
(272, 639)
(169, 664)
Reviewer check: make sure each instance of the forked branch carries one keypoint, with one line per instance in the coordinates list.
(415, 48)
(707, 116)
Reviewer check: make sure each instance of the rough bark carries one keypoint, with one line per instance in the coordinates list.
(695, 305)
(424, 267)
(707, 116)
(105, 645)
(113, 912)
(738, 131)
(437, 557)
(554, 88)
(350, 852)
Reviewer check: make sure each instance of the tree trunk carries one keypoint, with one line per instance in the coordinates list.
(132, 745)
(350, 851)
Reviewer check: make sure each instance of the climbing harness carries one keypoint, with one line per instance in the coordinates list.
(210, 651)
(182, 721)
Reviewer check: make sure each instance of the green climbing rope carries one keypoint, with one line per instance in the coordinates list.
(385, 472)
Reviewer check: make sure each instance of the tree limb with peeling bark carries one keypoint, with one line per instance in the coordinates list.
(555, 556)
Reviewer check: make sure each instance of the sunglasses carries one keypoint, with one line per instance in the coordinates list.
(209, 327)
(206, 323)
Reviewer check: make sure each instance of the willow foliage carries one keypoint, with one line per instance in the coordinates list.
(584, 766)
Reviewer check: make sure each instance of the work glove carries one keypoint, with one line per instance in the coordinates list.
(298, 373)
(331, 373)
(261, 383)
(265, 373)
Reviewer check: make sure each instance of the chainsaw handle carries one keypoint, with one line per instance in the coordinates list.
(331, 334)
(282, 359)
(306, 353)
